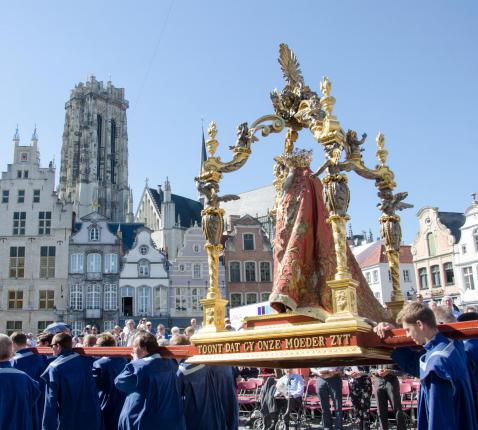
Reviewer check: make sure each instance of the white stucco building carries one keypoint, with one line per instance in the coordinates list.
(34, 233)
(466, 256)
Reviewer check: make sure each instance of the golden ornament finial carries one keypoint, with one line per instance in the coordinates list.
(380, 139)
(325, 86)
(212, 143)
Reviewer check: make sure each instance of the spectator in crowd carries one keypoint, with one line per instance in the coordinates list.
(89, 340)
(329, 387)
(152, 396)
(443, 315)
(470, 308)
(471, 349)
(289, 388)
(44, 339)
(129, 333)
(105, 370)
(228, 325)
(87, 330)
(189, 331)
(161, 336)
(70, 393)
(117, 335)
(18, 392)
(419, 298)
(360, 389)
(31, 341)
(447, 303)
(446, 395)
(387, 389)
(194, 324)
(433, 305)
(94, 330)
(179, 339)
(149, 327)
(33, 365)
(174, 331)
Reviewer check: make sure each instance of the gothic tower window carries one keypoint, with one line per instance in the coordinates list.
(113, 151)
(99, 127)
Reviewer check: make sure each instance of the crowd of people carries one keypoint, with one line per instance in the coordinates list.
(61, 391)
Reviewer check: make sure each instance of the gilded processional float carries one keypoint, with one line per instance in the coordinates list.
(325, 308)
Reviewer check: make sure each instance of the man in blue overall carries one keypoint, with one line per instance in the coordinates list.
(446, 395)
(71, 397)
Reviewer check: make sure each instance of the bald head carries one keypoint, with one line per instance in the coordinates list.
(6, 347)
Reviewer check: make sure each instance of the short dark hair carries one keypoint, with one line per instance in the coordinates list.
(44, 339)
(147, 341)
(19, 338)
(414, 311)
(64, 340)
(105, 339)
(468, 316)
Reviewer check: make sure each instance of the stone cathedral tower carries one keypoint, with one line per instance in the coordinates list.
(94, 154)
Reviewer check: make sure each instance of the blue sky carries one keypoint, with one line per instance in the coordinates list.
(408, 69)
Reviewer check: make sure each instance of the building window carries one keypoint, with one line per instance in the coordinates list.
(431, 244)
(250, 271)
(5, 196)
(76, 297)
(181, 299)
(368, 277)
(111, 263)
(435, 271)
(143, 269)
(423, 278)
(42, 325)
(389, 275)
(143, 249)
(468, 278)
(251, 298)
(21, 196)
(36, 196)
(463, 249)
(93, 263)
(475, 238)
(181, 268)
(236, 299)
(19, 221)
(94, 234)
(19, 174)
(76, 328)
(13, 326)
(248, 242)
(377, 295)
(449, 274)
(76, 263)
(265, 271)
(144, 300)
(196, 248)
(111, 297)
(109, 325)
(46, 299)
(44, 222)
(25, 174)
(197, 294)
(375, 276)
(196, 271)
(265, 297)
(17, 261)
(15, 299)
(235, 271)
(47, 261)
(93, 296)
(406, 276)
(23, 156)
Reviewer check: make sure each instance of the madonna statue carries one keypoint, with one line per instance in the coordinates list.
(304, 256)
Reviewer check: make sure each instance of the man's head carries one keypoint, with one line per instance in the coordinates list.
(130, 324)
(161, 329)
(94, 330)
(419, 298)
(149, 326)
(419, 322)
(105, 339)
(447, 302)
(89, 340)
(45, 339)
(61, 342)
(117, 330)
(179, 339)
(19, 340)
(87, 329)
(175, 331)
(6, 347)
(144, 344)
(189, 331)
(193, 322)
(443, 315)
